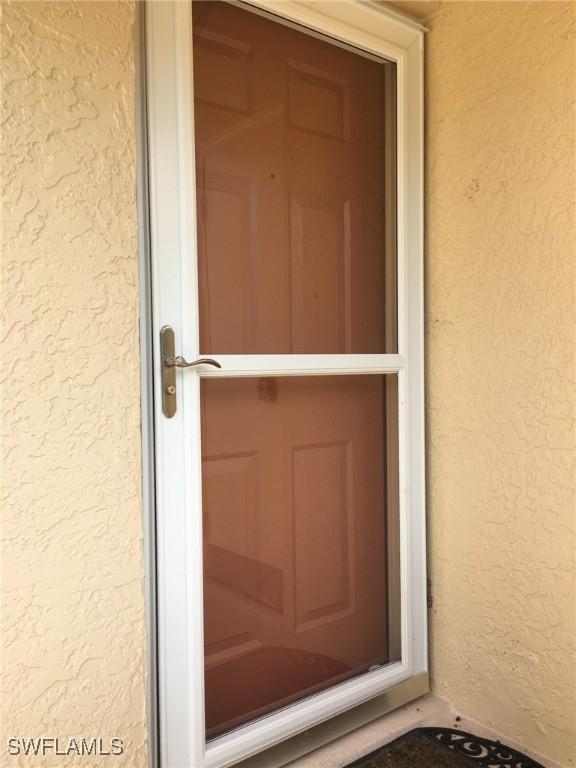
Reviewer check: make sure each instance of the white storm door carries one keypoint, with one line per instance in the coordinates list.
(285, 195)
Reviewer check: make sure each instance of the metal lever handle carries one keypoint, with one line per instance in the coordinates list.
(169, 362)
(180, 362)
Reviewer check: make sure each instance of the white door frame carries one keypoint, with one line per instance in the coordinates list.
(169, 85)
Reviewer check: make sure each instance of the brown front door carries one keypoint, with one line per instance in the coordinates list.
(296, 256)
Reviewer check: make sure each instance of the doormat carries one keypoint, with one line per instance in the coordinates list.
(444, 748)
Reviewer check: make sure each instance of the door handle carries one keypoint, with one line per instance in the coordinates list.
(180, 362)
(169, 362)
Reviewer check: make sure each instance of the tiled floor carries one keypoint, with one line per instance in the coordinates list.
(429, 710)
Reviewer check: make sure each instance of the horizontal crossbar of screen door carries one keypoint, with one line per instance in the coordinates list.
(302, 365)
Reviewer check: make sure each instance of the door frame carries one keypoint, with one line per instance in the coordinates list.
(171, 182)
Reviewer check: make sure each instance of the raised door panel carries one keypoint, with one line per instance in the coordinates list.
(226, 261)
(230, 501)
(318, 101)
(322, 528)
(224, 73)
(320, 271)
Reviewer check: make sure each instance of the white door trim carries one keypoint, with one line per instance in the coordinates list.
(177, 440)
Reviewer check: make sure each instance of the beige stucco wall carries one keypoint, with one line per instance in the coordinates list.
(501, 336)
(500, 320)
(73, 634)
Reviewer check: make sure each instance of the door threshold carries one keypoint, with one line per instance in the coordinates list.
(428, 710)
(320, 741)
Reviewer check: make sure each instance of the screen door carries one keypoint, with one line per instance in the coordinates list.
(299, 473)
(285, 506)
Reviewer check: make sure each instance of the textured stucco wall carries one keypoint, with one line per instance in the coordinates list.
(501, 269)
(73, 634)
(500, 311)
